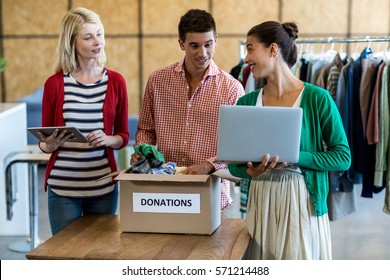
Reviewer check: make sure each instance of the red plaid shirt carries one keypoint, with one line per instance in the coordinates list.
(186, 129)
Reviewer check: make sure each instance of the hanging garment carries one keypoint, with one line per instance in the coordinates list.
(324, 71)
(363, 158)
(341, 85)
(341, 198)
(384, 127)
(246, 73)
(303, 72)
(315, 70)
(362, 96)
(334, 75)
(235, 71)
(373, 117)
(368, 67)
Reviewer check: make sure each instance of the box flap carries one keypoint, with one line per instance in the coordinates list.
(225, 174)
(162, 177)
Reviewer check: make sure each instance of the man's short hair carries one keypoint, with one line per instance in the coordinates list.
(196, 20)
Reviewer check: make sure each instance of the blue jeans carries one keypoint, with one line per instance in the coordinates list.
(65, 210)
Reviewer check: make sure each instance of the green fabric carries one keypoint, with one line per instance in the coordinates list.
(150, 152)
(321, 123)
(244, 189)
(383, 141)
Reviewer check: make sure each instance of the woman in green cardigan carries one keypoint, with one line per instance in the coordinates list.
(287, 212)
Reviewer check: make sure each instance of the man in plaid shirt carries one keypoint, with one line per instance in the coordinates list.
(181, 103)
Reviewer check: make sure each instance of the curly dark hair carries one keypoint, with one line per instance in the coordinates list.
(196, 20)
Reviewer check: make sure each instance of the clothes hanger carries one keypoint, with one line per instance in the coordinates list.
(356, 54)
(367, 52)
(342, 54)
(331, 53)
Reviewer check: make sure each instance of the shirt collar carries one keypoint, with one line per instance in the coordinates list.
(212, 70)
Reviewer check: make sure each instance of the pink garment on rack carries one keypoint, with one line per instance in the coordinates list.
(368, 68)
(247, 71)
(373, 121)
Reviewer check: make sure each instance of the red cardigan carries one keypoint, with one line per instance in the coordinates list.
(115, 111)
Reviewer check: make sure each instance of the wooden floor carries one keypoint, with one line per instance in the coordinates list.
(363, 235)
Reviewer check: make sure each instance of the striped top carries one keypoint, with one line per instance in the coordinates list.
(78, 165)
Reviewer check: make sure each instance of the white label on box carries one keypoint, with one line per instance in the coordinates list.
(166, 203)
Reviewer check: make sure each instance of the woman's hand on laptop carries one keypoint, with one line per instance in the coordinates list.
(257, 168)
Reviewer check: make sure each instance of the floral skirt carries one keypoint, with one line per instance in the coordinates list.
(281, 220)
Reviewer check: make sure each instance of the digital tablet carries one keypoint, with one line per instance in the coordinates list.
(78, 136)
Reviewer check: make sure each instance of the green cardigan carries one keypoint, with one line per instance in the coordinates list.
(321, 122)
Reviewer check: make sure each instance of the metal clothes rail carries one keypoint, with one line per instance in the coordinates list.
(330, 40)
(344, 40)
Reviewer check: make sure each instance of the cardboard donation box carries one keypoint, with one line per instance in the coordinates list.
(157, 203)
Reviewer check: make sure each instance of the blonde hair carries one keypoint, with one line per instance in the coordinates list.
(71, 24)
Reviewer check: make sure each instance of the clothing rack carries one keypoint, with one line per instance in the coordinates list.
(330, 40)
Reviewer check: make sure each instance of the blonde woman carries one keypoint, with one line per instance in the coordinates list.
(85, 94)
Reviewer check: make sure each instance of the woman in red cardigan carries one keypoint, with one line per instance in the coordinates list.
(85, 94)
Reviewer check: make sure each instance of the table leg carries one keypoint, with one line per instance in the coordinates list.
(33, 240)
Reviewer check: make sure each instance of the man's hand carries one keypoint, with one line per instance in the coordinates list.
(135, 157)
(203, 168)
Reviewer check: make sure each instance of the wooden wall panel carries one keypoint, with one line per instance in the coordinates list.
(159, 52)
(122, 56)
(31, 64)
(317, 17)
(237, 17)
(32, 27)
(32, 17)
(370, 16)
(118, 16)
(163, 16)
(227, 53)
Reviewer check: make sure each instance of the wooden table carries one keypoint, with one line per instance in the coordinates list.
(100, 237)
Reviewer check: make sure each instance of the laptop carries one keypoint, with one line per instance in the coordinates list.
(247, 133)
